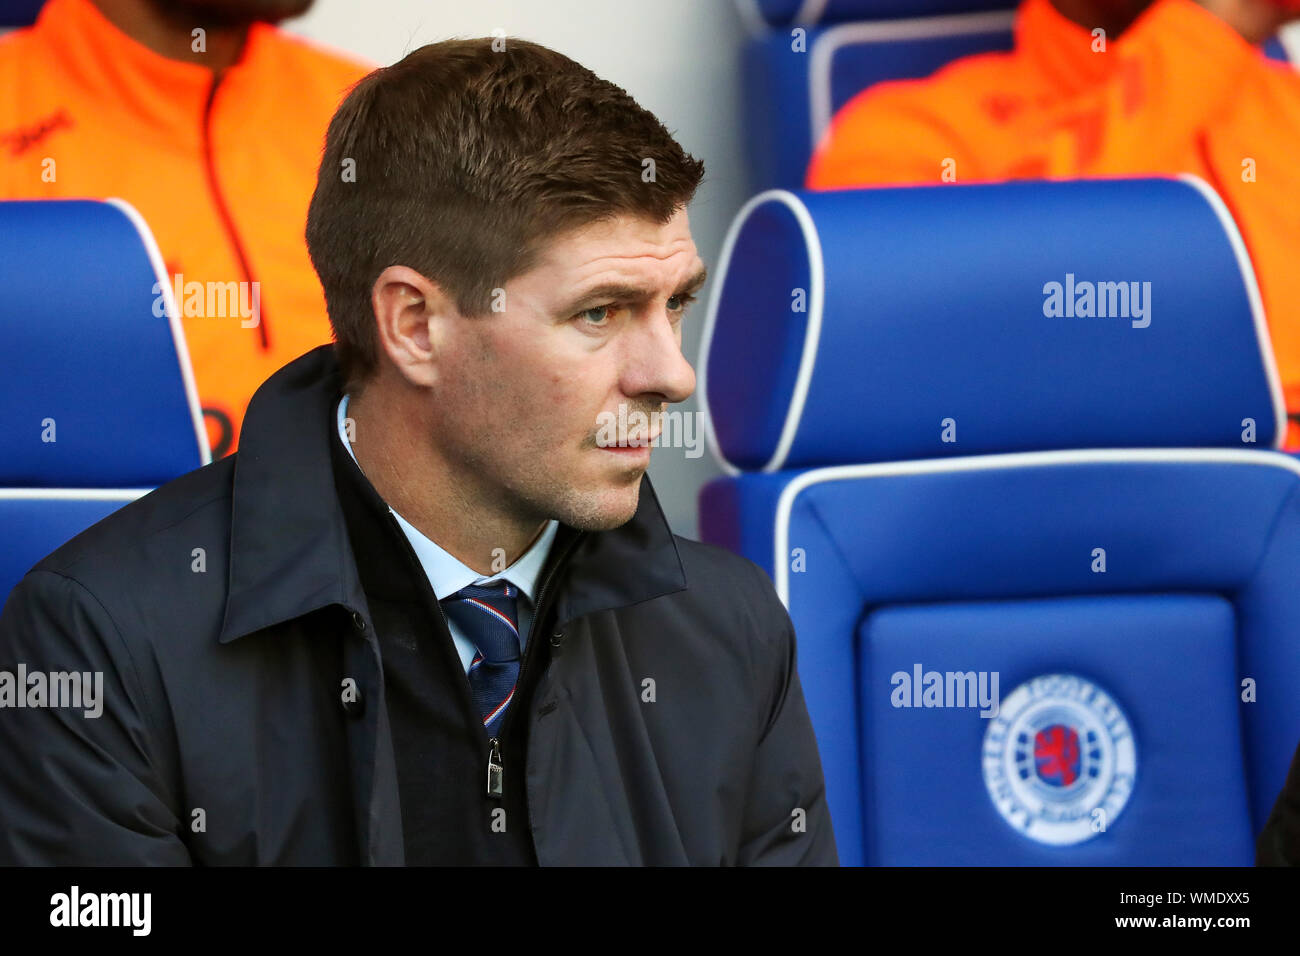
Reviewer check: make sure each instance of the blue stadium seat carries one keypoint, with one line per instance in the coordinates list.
(98, 403)
(953, 478)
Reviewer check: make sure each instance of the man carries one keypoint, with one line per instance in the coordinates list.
(208, 120)
(432, 612)
(1109, 88)
(1278, 843)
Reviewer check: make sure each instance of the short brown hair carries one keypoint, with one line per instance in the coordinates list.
(467, 158)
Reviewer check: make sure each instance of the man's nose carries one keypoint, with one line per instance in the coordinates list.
(658, 364)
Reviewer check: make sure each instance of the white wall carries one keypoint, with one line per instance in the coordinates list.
(677, 58)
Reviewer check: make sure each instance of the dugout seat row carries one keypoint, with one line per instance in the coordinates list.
(97, 403)
(944, 473)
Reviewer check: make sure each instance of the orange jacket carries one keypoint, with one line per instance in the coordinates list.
(1179, 91)
(221, 169)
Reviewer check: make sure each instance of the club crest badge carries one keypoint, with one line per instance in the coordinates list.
(1059, 759)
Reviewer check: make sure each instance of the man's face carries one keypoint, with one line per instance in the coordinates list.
(595, 325)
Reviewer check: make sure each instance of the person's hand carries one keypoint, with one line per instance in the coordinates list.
(1256, 20)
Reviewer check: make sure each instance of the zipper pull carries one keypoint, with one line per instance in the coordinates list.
(496, 770)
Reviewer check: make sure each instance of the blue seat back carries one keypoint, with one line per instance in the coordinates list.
(98, 391)
(1034, 315)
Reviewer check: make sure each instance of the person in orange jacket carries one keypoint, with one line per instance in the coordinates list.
(209, 120)
(1097, 88)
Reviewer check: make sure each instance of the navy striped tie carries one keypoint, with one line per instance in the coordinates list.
(487, 615)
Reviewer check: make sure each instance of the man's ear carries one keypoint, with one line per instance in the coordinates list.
(410, 315)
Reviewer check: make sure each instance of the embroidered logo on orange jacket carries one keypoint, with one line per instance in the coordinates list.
(24, 138)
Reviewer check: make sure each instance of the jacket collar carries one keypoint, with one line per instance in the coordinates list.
(289, 547)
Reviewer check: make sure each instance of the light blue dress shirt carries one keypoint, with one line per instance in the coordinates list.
(447, 575)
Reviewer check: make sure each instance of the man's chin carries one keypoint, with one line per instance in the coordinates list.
(604, 511)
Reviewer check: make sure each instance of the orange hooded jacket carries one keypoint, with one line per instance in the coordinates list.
(1179, 92)
(221, 168)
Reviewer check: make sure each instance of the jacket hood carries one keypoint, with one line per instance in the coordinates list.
(289, 547)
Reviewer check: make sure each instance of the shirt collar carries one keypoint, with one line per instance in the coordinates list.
(446, 573)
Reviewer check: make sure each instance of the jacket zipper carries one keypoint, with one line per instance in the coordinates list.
(496, 766)
(223, 211)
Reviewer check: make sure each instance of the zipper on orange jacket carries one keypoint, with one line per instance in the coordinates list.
(224, 212)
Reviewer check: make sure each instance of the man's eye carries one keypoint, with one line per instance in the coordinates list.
(596, 314)
(683, 302)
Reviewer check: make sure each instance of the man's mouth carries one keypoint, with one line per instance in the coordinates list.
(633, 445)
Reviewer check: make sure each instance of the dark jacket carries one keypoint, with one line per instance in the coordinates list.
(225, 612)
(1278, 844)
